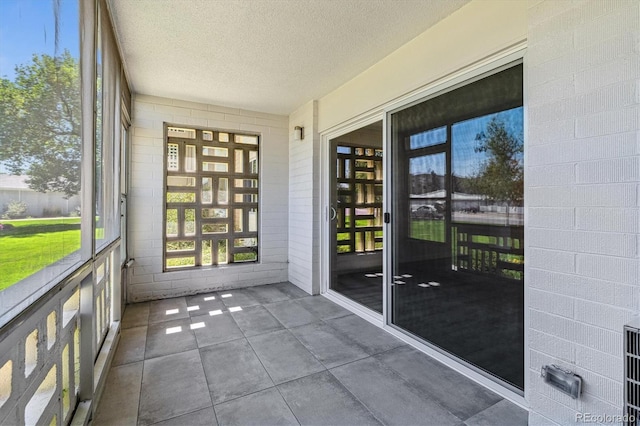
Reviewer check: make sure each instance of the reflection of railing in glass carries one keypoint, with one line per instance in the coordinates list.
(489, 249)
(359, 199)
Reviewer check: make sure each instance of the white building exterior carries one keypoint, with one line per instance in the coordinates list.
(15, 188)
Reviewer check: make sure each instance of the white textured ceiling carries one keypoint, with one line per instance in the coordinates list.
(263, 55)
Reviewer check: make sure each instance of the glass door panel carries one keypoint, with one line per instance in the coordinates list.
(356, 216)
(458, 234)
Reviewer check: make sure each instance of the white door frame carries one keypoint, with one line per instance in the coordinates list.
(461, 77)
(325, 243)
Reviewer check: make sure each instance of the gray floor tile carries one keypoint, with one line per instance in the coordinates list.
(323, 307)
(268, 294)
(291, 313)
(205, 417)
(328, 345)
(398, 385)
(452, 390)
(121, 396)
(202, 304)
(373, 339)
(169, 337)
(292, 290)
(213, 329)
(389, 397)
(135, 315)
(504, 413)
(167, 310)
(321, 400)
(254, 320)
(233, 370)
(241, 298)
(284, 357)
(172, 385)
(131, 345)
(261, 408)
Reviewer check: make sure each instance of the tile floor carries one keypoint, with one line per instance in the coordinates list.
(272, 355)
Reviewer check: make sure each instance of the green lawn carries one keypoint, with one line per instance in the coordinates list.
(33, 244)
(189, 260)
(428, 229)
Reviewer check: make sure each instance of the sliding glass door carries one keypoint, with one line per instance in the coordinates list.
(356, 216)
(458, 223)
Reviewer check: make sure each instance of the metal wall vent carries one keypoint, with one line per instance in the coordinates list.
(632, 372)
(179, 132)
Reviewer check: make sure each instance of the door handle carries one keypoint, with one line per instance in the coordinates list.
(334, 214)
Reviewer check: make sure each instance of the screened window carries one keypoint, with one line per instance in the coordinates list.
(40, 144)
(211, 198)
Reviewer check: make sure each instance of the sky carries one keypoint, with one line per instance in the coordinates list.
(27, 27)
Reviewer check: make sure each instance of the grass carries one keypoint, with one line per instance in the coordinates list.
(189, 260)
(33, 244)
(428, 229)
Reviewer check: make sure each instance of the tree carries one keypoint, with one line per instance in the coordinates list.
(40, 120)
(501, 176)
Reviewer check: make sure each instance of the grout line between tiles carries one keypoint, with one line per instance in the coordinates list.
(287, 404)
(273, 381)
(355, 397)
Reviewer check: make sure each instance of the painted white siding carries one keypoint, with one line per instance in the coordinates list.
(304, 201)
(583, 169)
(147, 281)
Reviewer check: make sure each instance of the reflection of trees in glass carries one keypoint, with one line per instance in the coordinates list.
(501, 175)
(99, 160)
(427, 173)
(40, 123)
(426, 182)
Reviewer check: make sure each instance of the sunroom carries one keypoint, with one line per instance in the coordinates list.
(318, 212)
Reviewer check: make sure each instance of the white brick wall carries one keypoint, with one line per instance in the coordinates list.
(147, 281)
(582, 175)
(304, 200)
